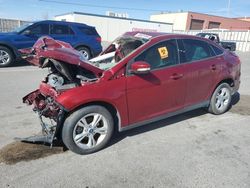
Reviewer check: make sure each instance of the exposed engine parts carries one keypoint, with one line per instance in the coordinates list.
(55, 80)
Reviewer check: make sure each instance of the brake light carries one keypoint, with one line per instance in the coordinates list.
(98, 39)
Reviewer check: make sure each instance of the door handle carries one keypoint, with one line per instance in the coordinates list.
(176, 76)
(213, 67)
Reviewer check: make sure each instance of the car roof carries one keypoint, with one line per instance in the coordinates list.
(161, 35)
(63, 22)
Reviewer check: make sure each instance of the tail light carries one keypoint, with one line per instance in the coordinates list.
(99, 39)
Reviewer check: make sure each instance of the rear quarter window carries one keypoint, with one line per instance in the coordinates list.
(88, 31)
(217, 50)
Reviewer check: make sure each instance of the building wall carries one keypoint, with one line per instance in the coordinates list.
(244, 19)
(226, 23)
(182, 21)
(7, 25)
(111, 27)
(179, 20)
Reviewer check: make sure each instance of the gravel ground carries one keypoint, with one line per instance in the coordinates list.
(195, 149)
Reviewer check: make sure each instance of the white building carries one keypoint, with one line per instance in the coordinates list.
(111, 27)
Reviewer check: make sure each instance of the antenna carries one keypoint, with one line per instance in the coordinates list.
(228, 8)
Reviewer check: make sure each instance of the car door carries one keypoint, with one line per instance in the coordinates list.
(62, 32)
(160, 91)
(30, 35)
(202, 69)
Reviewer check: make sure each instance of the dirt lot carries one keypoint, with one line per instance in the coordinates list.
(195, 149)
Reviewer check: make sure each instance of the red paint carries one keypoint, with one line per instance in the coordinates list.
(140, 97)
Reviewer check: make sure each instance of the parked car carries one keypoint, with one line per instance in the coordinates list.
(140, 78)
(82, 37)
(215, 37)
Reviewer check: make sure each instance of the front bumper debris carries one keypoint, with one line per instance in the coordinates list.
(51, 116)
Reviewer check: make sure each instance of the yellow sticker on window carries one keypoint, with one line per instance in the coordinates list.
(163, 51)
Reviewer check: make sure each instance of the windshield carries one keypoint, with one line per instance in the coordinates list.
(22, 27)
(118, 50)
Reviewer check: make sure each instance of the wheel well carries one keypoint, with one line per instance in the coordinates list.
(113, 111)
(6, 46)
(229, 81)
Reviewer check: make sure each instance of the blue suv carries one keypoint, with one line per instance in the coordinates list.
(82, 37)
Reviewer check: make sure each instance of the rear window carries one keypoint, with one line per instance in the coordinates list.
(217, 50)
(88, 31)
(61, 29)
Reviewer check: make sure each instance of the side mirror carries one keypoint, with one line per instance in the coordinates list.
(140, 67)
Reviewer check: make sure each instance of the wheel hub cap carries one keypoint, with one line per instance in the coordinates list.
(222, 99)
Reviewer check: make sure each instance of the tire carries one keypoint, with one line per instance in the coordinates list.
(85, 52)
(82, 135)
(221, 99)
(6, 57)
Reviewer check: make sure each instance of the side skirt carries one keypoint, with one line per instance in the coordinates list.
(189, 108)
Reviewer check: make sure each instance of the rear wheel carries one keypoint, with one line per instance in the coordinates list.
(221, 99)
(88, 130)
(6, 57)
(84, 52)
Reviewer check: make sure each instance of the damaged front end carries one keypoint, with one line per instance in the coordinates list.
(50, 113)
(66, 70)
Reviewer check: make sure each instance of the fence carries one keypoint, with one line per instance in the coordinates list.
(7, 25)
(242, 38)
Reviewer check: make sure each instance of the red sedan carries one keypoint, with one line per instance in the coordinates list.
(140, 78)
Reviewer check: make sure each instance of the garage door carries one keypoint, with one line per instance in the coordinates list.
(213, 25)
(196, 24)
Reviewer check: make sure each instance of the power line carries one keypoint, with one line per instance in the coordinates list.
(99, 6)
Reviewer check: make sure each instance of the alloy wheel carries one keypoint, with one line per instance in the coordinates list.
(90, 131)
(222, 99)
(4, 57)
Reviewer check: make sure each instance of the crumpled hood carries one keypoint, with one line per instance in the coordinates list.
(47, 47)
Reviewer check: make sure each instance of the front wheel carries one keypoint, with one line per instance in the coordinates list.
(221, 99)
(6, 57)
(88, 129)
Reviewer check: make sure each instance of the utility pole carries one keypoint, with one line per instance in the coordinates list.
(228, 8)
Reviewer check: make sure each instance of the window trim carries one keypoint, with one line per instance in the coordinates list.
(133, 60)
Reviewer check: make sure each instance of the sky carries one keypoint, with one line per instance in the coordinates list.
(32, 10)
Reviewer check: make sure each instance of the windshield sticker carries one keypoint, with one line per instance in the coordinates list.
(144, 36)
(163, 51)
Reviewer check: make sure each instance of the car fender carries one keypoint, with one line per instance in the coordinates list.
(11, 47)
(96, 93)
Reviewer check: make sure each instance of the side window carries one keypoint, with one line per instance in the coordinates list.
(160, 55)
(196, 50)
(58, 29)
(217, 50)
(40, 29)
(88, 31)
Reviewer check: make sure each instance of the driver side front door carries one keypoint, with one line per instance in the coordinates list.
(160, 91)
